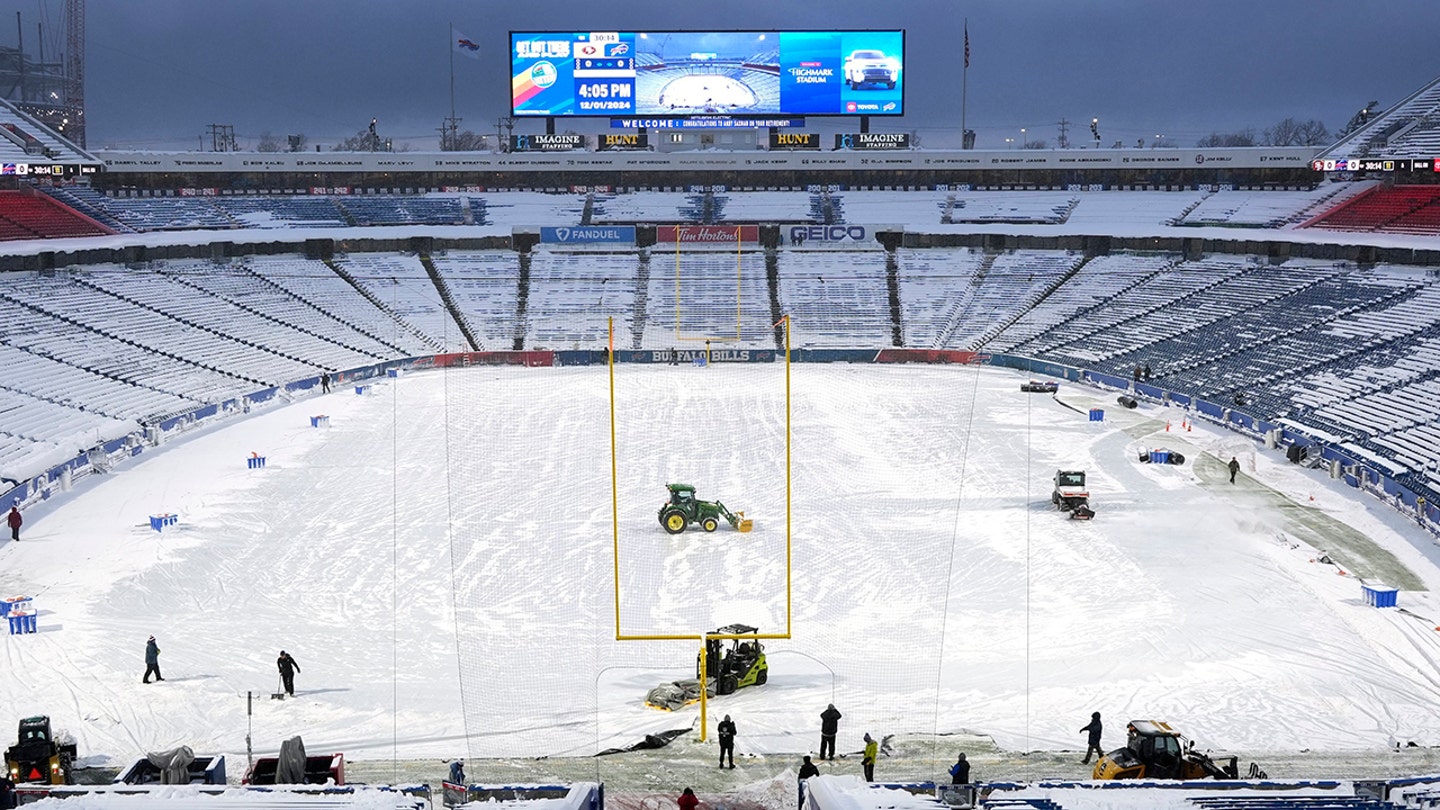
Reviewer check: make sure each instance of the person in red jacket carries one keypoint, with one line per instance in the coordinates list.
(688, 800)
(15, 520)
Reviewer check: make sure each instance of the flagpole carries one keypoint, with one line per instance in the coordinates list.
(964, 82)
(452, 70)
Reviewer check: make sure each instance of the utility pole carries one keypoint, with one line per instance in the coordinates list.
(507, 124)
(1064, 124)
(75, 71)
(449, 134)
(222, 137)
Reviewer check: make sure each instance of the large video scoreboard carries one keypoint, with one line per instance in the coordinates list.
(684, 73)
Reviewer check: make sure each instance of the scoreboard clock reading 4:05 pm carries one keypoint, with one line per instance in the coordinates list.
(686, 73)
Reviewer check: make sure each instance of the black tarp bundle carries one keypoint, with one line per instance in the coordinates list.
(174, 764)
(290, 769)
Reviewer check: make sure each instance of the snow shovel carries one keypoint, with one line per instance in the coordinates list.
(279, 693)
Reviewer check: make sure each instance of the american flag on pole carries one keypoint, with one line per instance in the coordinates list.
(967, 44)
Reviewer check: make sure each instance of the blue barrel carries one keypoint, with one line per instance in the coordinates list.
(159, 522)
(1097, 414)
(14, 603)
(362, 390)
(21, 621)
(255, 462)
(1379, 596)
(320, 421)
(1159, 456)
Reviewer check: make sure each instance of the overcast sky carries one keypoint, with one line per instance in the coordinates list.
(160, 71)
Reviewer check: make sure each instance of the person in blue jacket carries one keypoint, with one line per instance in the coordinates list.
(960, 771)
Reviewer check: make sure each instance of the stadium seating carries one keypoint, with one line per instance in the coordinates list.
(836, 299)
(1284, 802)
(30, 215)
(1402, 209)
(483, 287)
(401, 285)
(315, 284)
(573, 296)
(1350, 351)
(25, 139)
(1409, 129)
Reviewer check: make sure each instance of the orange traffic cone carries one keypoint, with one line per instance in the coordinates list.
(1167, 427)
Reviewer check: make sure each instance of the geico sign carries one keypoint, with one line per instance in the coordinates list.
(827, 233)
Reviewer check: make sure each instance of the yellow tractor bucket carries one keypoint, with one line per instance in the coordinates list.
(744, 524)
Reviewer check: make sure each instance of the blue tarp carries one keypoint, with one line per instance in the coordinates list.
(1109, 380)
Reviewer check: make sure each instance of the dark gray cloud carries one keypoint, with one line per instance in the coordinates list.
(161, 70)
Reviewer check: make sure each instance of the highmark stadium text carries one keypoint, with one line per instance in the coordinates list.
(716, 73)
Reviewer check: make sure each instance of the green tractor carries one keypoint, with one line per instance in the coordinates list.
(683, 510)
(740, 666)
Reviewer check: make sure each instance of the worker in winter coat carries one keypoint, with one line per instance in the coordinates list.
(829, 725)
(457, 772)
(960, 771)
(688, 800)
(14, 520)
(152, 661)
(726, 729)
(1094, 740)
(288, 668)
(1234, 466)
(7, 792)
(872, 749)
(807, 770)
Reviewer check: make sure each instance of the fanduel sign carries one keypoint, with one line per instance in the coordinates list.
(707, 234)
(872, 140)
(800, 234)
(609, 234)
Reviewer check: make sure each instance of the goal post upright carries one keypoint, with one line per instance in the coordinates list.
(703, 637)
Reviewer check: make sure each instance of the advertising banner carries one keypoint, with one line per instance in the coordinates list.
(546, 143)
(589, 235)
(828, 234)
(794, 140)
(872, 140)
(698, 73)
(623, 140)
(707, 234)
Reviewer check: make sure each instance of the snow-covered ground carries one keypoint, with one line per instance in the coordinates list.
(440, 562)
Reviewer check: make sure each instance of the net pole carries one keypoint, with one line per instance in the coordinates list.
(614, 473)
(739, 255)
(677, 284)
(787, 479)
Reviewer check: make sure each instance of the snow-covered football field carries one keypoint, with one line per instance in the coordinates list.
(441, 563)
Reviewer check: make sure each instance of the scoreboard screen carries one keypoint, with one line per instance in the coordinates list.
(685, 73)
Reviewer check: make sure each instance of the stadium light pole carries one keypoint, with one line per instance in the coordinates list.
(1022, 138)
(1009, 143)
